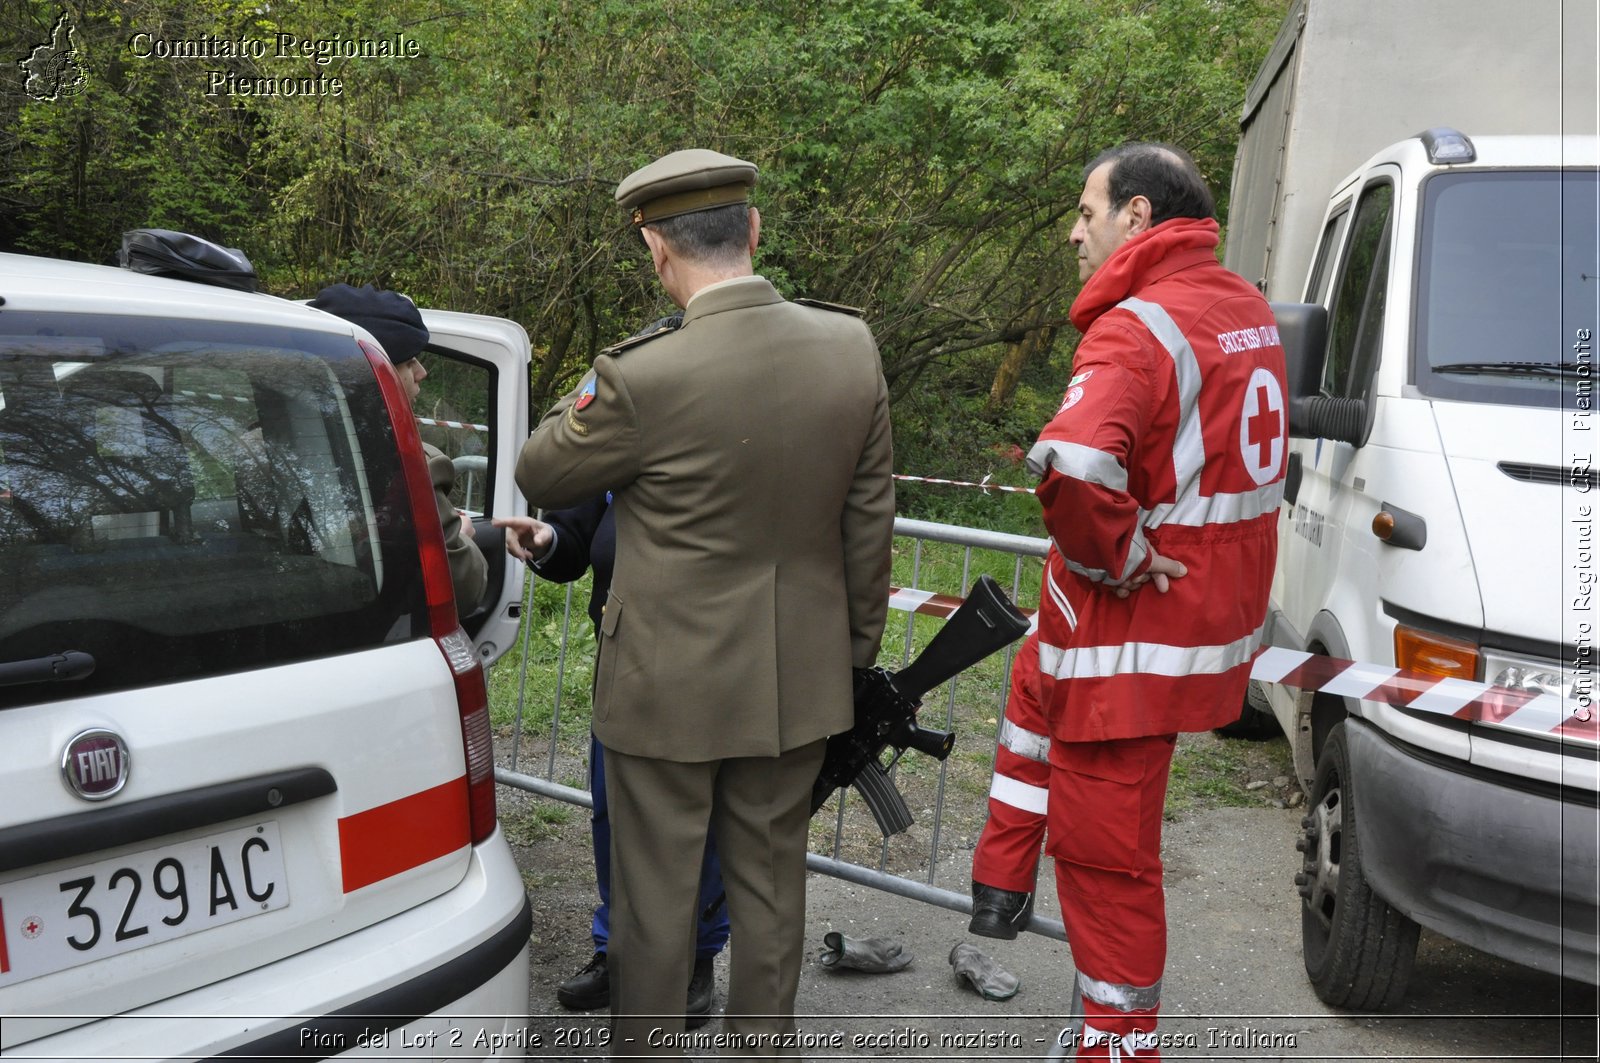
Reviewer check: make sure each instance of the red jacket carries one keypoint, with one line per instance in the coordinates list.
(1172, 435)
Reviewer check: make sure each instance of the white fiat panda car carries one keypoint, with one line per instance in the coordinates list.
(247, 798)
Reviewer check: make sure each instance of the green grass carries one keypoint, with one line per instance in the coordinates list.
(1207, 771)
(1211, 772)
(533, 821)
(938, 567)
(534, 690)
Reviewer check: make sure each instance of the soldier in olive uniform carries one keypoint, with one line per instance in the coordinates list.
(749, 455)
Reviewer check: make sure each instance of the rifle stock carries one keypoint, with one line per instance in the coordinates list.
(887, 704)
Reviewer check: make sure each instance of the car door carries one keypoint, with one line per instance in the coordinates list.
(474, 407)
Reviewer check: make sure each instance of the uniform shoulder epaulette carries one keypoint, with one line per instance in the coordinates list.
(838, 308)
(648, 333)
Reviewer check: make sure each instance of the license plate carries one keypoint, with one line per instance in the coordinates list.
(51, 922)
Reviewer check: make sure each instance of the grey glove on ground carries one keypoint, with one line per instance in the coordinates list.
(873, 955)
(992, 981)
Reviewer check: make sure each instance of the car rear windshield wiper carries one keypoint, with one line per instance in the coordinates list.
(1515, 368)
(56, 668)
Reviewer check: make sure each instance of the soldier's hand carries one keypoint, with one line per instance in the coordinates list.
(1161, 572)
(527, 539)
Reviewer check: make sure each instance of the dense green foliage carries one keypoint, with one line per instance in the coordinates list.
(919, 158)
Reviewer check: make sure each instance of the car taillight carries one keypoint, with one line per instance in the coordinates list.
(472, 694)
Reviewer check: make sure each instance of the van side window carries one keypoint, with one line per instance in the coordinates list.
(1356, 325)
(1317, 286)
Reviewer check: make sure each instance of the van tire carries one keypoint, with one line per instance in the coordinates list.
(1255, 717)
(1358, 950)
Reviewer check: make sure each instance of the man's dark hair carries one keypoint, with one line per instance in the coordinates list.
(1162, 173)
(711, 236)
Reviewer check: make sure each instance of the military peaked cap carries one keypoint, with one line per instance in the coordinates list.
(684, 182)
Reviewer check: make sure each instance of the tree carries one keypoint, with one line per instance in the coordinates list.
(921, 160)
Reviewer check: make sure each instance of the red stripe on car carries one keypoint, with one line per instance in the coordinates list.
(389, 839)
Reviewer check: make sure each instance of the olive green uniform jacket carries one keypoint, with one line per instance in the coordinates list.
(750, 456)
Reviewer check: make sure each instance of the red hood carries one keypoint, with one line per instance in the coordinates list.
(1129, 265)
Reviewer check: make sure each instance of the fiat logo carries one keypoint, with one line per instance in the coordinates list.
(95, 764)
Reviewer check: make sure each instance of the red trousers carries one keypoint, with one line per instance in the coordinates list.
(1106, 802)
(1007, 854)
(1101, 804)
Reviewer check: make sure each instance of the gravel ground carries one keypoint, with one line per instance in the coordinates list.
(1235, 986)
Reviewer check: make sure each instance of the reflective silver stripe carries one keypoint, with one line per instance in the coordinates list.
(1129, 1043)
(1146, 658)
(1116, 995)
(1197, 510)
(1057, 596)
(1009, 791)
(1025, 743)
(1188, 445)
(1097, 575)
(1079, 462)
(1138, 550)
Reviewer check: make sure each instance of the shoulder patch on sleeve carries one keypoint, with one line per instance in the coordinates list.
(838, 308)
(648, 333)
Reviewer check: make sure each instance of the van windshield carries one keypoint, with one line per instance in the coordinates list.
(1508, 284)
(181, 498)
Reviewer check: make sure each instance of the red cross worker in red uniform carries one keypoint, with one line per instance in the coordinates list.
(1005, 863)
(1160, 479)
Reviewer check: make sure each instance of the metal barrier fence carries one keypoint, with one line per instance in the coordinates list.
(931, 862)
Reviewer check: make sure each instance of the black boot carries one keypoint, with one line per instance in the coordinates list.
(998, 913)
(589, 989)
(702, 987)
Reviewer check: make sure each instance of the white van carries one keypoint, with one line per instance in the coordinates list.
(1439, 307)
(1440, 518)
(247, 798)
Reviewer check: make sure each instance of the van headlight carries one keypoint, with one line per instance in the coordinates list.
(1533, 675)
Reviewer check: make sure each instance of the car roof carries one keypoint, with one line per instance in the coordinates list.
(56, 285)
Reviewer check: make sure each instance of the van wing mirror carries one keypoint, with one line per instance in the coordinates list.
(1303, 331)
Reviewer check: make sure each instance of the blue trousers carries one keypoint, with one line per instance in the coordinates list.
(713, 932)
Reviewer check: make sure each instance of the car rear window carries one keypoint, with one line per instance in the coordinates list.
(181, 498)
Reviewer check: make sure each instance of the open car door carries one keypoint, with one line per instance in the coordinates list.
(474, 407)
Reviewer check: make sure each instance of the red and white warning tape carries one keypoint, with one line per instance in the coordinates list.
(941, 605)
(927, 602)
(453, 424)
(1460, 699)
(984, 486)
(214, 397)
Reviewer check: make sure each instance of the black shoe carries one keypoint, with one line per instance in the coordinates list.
(702, 987)
(589, 989)
(998, 913)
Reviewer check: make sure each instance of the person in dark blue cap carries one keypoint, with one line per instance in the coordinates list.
(396, 324)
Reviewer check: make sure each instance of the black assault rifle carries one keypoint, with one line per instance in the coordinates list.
(887, 704)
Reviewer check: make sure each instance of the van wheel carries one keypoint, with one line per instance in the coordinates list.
(1255, 717)
(1358, 950)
